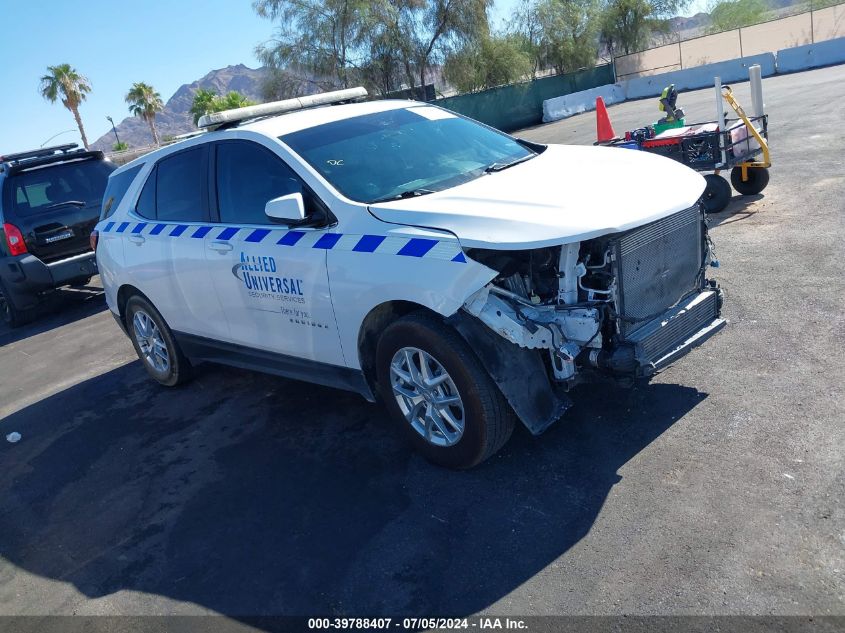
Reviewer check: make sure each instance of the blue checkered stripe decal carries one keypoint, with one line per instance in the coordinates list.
(378, 244)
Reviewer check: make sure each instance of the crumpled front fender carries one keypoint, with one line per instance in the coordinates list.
(519, 373)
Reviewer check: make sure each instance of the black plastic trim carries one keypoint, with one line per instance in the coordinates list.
(120, 323)
(25, 276)
(518, 372)
(201, 348)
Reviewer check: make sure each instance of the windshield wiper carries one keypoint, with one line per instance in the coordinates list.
(67, 203)
(500, 166)
(410, 193)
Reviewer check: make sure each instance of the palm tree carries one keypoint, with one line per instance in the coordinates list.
(207, 101)
(63, 83)
(203, 103)
(144, 102)
(233, 100)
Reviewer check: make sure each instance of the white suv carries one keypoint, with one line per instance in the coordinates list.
(394, 248)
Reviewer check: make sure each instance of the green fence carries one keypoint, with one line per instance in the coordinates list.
(520, 105)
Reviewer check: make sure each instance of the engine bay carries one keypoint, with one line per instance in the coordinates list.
(583, 301)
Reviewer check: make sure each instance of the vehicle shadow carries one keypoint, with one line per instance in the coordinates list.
(62, 307)
(250, 495)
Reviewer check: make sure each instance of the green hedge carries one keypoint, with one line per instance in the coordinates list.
(516, 106)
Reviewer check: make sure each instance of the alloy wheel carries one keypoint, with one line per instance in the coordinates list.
(151, 342)
(427, 396)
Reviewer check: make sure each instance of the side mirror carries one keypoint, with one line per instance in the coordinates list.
(289, 208)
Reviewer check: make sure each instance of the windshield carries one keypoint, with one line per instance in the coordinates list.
(403, 152)
(78, 183)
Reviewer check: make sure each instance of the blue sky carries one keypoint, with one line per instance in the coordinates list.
(114, 44)
(163, 42)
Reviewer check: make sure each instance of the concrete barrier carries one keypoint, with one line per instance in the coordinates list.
(689, 79)
(827, 53)
(583, 101)
(700, 76)
(788, 60)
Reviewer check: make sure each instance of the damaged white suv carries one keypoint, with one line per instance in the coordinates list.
(394, 248)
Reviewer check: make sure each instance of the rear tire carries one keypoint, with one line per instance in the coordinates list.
(717, 194)
(154, 343)
(10, 314)
(476, 422)
(758, 178)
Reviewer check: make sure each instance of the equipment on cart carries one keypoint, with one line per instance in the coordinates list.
(674, 115)
(739, 144)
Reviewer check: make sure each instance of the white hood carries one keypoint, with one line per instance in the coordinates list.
(568, 193)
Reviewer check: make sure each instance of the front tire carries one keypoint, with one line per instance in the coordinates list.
(154, 343)
(437, 391)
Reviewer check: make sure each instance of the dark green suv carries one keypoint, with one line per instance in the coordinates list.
(49, 203)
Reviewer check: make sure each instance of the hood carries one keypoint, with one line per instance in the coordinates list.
(569, 193)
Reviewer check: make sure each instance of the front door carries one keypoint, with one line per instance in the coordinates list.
(271, 280)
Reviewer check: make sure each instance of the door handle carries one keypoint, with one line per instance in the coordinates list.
(137, 239)
(220, 247)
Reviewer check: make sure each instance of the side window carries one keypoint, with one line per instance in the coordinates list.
(116, 190)
(181, 191)
(248, 176)
(146, 206)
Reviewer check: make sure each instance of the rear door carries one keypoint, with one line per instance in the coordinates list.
(56, 206)
(164, 245)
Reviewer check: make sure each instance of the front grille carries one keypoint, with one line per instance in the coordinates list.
(657, 265)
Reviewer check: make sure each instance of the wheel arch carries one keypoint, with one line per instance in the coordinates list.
(124, 293)
(374, 323)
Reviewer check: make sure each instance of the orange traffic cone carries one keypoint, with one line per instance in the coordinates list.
(604, 130)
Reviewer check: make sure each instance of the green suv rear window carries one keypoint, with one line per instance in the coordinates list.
(78, 183)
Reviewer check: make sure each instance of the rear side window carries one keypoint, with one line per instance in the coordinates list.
(181, 187)
(248, 176)
(79, 184)
(146, 206)
(116, 189)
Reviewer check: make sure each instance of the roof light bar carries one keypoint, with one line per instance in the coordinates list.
(217, 119)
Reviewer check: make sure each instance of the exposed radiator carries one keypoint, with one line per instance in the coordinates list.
(657, 265)
(662, 336)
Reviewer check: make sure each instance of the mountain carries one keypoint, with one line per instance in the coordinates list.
(693, 26)
(690, 26)
(176, 117)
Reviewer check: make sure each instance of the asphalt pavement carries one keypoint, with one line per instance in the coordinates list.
(716, 489)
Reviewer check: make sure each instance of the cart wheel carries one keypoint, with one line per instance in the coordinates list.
(758, 178)
(717, 194)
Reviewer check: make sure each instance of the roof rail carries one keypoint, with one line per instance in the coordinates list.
(184, 137)
(38, 153)
(228, 118)
(17, 166)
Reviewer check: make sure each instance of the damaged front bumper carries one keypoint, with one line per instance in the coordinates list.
(509, 339)
(622, 305)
